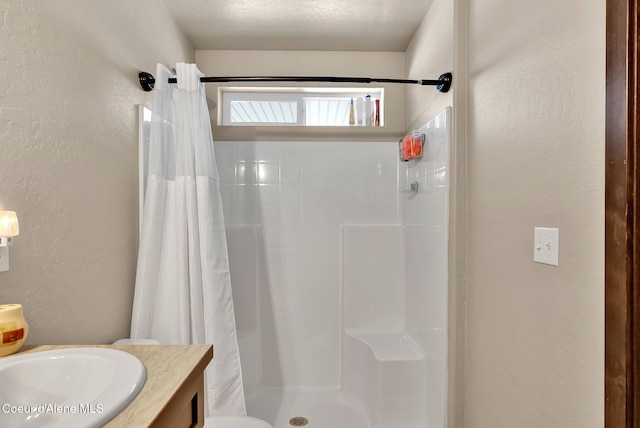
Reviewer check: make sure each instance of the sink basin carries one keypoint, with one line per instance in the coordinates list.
(75, 387)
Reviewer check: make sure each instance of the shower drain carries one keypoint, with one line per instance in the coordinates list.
(298, 421)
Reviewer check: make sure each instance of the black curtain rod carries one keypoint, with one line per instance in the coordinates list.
(443, 84)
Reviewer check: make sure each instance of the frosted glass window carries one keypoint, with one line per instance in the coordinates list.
(293, 106)
(327, 111)
(273, 112)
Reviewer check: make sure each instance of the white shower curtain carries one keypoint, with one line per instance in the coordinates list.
(183, 285)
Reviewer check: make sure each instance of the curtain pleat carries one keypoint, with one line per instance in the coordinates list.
(183, 285)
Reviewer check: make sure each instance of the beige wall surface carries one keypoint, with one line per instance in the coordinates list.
(308, 63)
(535, 157)
(68, 157)
(429, 54)
(535, 333)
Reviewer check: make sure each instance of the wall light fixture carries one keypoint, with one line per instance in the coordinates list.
(8, 229)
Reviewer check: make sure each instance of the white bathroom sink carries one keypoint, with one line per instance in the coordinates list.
(75, 387)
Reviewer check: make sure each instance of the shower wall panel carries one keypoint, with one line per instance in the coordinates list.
(299, 194)
(425, 217)
(373, 278)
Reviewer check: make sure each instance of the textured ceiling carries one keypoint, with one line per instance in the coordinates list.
(358, 25)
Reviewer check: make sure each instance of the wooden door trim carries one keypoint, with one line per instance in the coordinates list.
(622, 237)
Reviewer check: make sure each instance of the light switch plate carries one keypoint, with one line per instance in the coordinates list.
(545, 245)
(4, 259)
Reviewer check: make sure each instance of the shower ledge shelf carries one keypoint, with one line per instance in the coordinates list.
(389, 346)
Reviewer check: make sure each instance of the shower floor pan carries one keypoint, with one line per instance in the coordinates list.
(322, 408)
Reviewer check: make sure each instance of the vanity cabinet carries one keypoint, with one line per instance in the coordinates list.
(173, 395)
(186, 408)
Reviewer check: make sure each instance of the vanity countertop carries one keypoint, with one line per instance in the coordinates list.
(169, 369)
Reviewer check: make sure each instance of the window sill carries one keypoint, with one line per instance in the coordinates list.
(304, 133)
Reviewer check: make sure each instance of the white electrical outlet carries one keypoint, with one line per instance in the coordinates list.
(545, 245)
(4, 259)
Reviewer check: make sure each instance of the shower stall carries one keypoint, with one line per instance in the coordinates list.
(338, 258)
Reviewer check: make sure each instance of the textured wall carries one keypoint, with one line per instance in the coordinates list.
(309, 63)
(429, 54)
(535, 158)
(68, 157)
